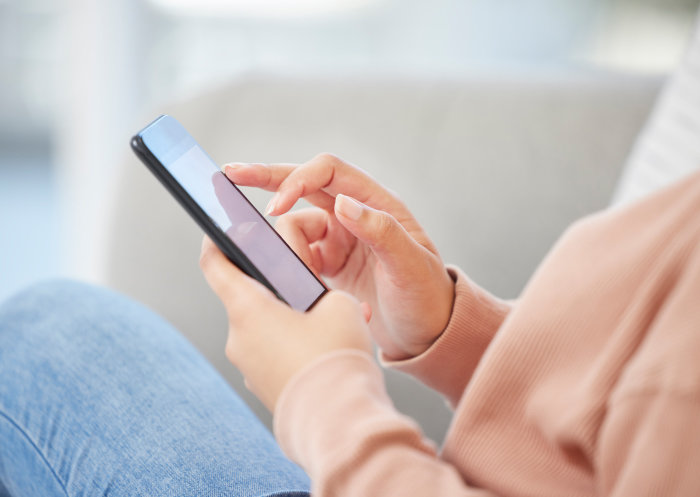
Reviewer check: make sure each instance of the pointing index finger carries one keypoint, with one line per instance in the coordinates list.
(328, 174)
(266, 176)
(269, 177)
(318, 180)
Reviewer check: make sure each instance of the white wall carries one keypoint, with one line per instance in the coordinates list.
(99, 92)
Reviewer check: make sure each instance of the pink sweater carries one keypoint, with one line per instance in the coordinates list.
(588, 385)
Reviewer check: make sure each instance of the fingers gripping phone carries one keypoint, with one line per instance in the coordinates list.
(224, 213)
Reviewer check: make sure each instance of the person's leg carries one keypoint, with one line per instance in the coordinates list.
(99, 396)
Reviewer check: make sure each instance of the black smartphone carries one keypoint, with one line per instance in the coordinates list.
(224, 213)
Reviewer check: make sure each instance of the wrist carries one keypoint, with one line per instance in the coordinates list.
(440, 313)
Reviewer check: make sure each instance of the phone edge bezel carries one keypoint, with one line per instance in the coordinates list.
(222, 241)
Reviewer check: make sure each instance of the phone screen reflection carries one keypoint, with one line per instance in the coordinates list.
(246, 227)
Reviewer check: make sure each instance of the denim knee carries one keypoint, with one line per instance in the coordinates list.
(77, 321)
(94, 383)
(59, 309)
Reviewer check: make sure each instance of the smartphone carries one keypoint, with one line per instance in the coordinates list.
(224, 213)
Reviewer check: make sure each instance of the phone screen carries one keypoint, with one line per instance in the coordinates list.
(231, 212)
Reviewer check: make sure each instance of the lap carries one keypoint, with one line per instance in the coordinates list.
(100, 395)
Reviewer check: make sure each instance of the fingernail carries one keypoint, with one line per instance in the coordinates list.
(349, 207)
(272, 205)
(230, 167)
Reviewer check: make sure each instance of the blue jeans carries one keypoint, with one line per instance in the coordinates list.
(100, 396)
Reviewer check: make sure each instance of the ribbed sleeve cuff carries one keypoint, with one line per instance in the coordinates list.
(450, 362)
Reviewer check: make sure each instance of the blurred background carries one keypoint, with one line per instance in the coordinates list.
(78, 77)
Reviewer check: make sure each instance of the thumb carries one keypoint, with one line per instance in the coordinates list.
(384, 235)
(237, 291)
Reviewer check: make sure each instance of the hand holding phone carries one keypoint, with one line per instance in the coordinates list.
(364, 240)
(224, 213)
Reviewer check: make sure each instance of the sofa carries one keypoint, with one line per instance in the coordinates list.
(494, 166)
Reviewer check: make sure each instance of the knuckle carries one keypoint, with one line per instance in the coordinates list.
(327, 157)
(330, 163)
(384, 225)
(284, 222)
(267, 178)
(289, 225)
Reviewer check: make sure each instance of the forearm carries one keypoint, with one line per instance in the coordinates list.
(336, 420)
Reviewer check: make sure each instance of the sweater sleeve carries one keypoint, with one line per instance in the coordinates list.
(649, 442)
(447, 366)
(335, 419)
(649, 446)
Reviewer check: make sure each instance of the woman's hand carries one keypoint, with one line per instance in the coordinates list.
(364, 240)
(268, 341)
